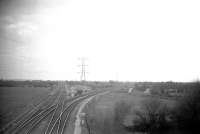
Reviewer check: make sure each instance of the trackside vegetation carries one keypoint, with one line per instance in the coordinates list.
(147, 114)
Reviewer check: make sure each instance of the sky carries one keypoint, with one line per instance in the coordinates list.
(124, 40)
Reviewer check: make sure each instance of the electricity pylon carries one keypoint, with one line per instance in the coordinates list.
(83, 69)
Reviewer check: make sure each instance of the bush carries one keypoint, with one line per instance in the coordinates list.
(187, 112)
(153, 116)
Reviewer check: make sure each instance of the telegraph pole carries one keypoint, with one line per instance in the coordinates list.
(83, 69)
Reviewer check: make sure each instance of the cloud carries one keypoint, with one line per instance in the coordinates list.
(137, 39)
(19, 18)
(16, 7)
(23, 29)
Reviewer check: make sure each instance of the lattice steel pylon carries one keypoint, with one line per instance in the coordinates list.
(83, 69)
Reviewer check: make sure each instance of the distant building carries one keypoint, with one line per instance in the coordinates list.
(80, 87)
(77, 90)
(73, 93)
(147, 91)
(130, 90)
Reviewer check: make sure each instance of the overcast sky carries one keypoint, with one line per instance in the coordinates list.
(126, 40)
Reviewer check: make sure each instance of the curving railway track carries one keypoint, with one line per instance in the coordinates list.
(50, 116)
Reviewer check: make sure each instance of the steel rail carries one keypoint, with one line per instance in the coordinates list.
(32, 114)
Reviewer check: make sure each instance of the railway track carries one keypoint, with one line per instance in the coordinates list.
(43, 112)
(43, 104)
(55, 111)
(35, 104)
(56, 114)
(61, 122)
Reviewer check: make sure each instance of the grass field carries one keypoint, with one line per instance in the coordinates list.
(101, 113)
(14, 100)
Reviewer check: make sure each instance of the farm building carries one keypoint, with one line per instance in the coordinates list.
(147, 91)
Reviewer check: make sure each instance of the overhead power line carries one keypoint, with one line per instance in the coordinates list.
(83, 71)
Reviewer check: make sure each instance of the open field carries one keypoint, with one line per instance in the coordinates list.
(101, 113)
(14, 100)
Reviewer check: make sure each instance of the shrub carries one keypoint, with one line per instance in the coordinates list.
(187, 112)
(153, 116)
(121, 110)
